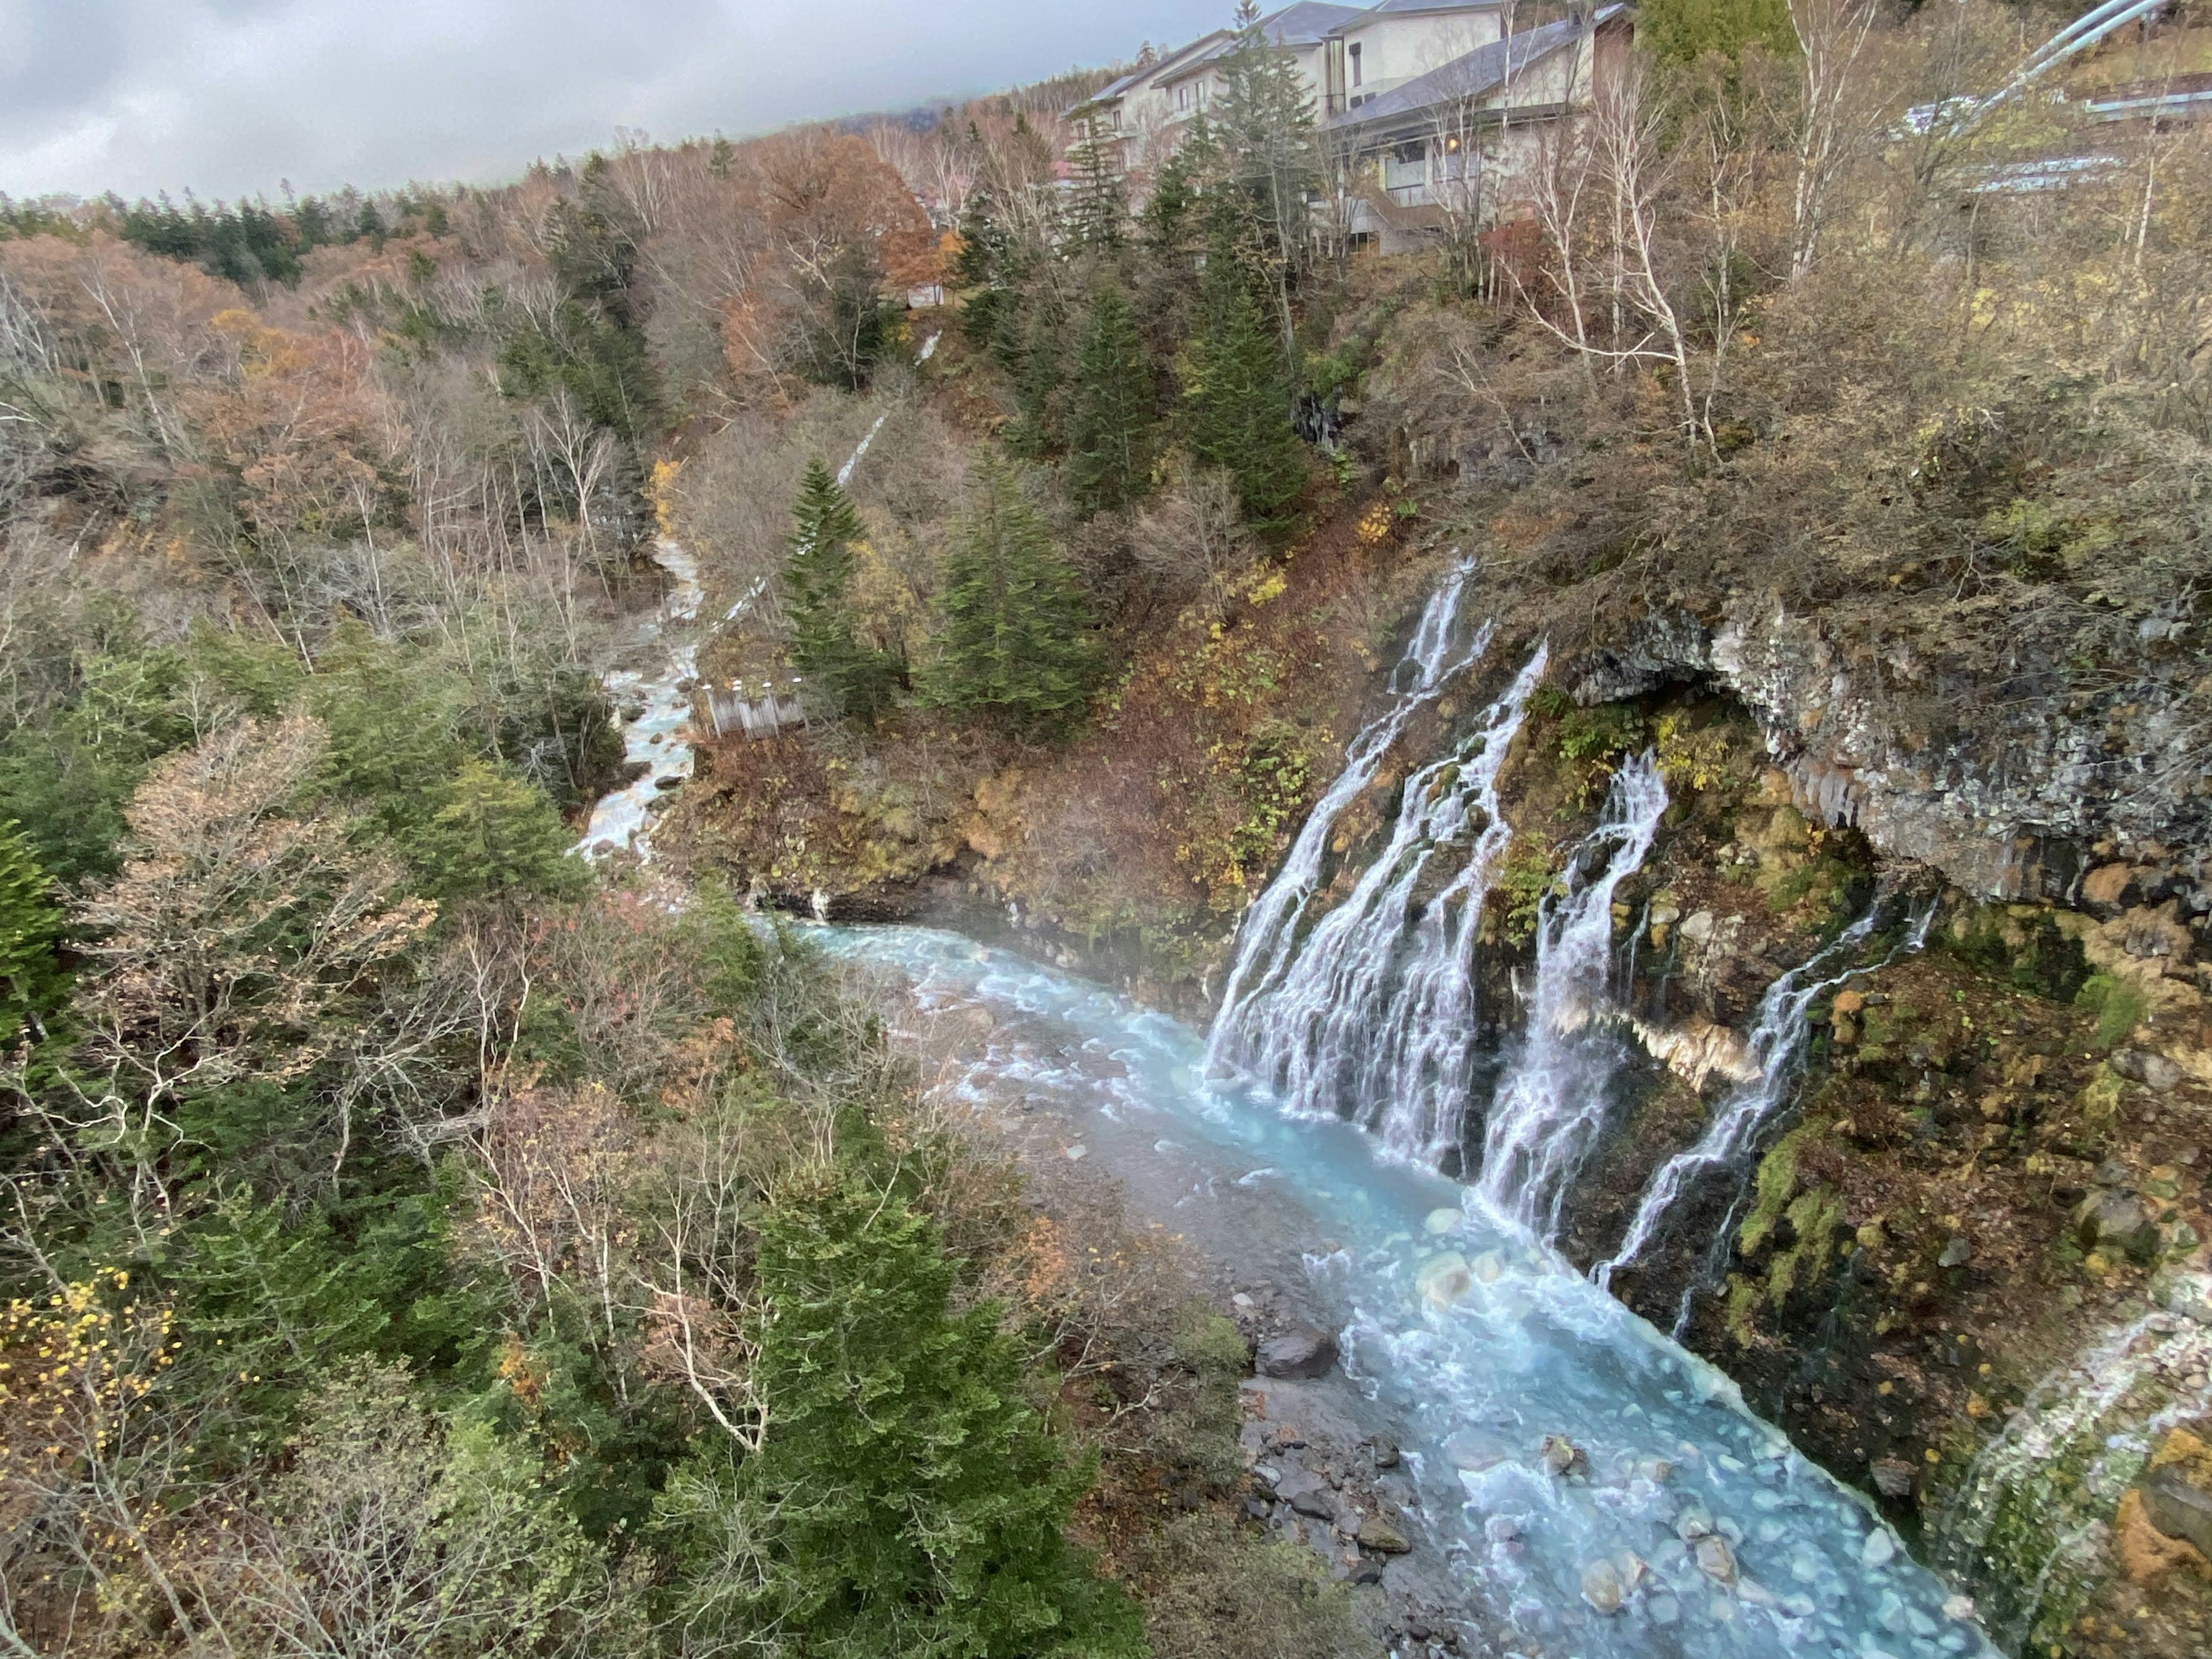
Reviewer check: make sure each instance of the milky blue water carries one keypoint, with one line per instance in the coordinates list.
(1717, 1539)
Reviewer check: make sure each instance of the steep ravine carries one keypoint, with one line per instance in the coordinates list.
(1981, 1161)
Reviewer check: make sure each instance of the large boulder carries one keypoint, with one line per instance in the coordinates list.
(2117, 1223)
(2178, 1507)
(1299, 1354)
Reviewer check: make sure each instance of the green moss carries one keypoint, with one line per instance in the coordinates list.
(1603, 733)
(1814, 1217)
(1742, 1308)
(2119, 1006)
(1774, 1186)
(2029, 952)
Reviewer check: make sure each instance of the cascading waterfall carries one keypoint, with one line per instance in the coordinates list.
(1439, 651)
(1779, 1040)
(1551, 1101)
(1375, 1018)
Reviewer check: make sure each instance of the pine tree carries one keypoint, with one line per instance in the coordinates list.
(1039, 427)
(1266, 121)
(1098, 209)
(1015, 638)
(1110, 422)
(1237, 393)
(853, 678)
(29, 924)
(905, 1499)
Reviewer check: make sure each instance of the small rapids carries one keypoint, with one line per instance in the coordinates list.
(622, 819)
(1721, 1540)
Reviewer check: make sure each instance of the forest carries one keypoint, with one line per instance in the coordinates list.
(417, 1239)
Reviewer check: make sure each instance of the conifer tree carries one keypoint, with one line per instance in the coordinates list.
(1098, 209)
(1266, 121)
(905, 1499)
(1014, 641)
(825, 647)
(1039, 427)
(1110, 422)
(29, 924)
(1237, 394)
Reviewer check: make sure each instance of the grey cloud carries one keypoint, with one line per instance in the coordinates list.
(228, 97)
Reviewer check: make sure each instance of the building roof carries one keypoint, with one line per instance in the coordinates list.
(1434, 5)
(1308, 23)
(1468, 75)
(1160, 66)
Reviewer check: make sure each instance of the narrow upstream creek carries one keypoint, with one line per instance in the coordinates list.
(1695, 1521)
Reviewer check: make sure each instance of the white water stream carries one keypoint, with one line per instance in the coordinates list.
(1374, 1017)
(624, 819)
(1267, 942)
(1549, 1107)
(1779, 1039)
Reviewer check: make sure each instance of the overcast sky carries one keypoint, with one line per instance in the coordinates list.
(229, 97)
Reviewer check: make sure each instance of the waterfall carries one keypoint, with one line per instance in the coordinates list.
(2032, 1503)
(1267, 941)
(1547, 1109)
(1374, 1019)
(1779, 1040)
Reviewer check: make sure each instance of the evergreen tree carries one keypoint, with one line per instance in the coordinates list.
(1237, 393)
(1098, 209)
(905, 1499)
(1040, 428)
(494, 835)
(1014, 640)
(817, 576)
(1110, 422)
(987, 274)
(1683, 31)
(1266, 122)
(29, 923)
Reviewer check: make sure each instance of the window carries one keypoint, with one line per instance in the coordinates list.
(1354, 55)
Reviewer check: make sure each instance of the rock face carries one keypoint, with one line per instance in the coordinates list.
(2178, 1508)
(2006, 794)
(1302, 1353)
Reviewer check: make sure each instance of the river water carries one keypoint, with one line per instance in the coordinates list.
(1714, 1536)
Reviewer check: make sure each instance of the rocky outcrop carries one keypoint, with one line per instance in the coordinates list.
(2011, 783)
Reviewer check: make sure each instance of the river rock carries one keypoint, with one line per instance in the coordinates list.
(1716, 1560)
(2178, 1507)
(1443, 1279)
(1378, 1535)
(1298, 1354)
(1488, 1267)
(1601, 1585)
(2116, 1222)
(1563, 1457)
(1879, 1548)
(1307, 1493)
(1893, 1477)
(1438, 1222)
